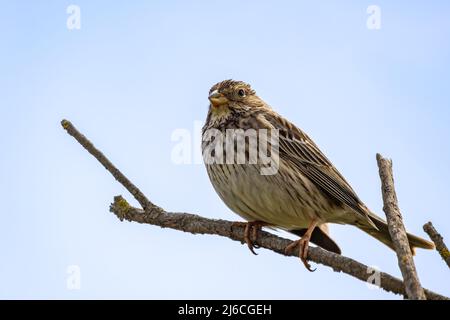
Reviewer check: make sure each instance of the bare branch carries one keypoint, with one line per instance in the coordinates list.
(438, 241)
(195, 224)
(199, 225)
(397, 231)
(89, 146)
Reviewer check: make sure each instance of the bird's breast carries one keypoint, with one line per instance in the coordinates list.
(281, 200)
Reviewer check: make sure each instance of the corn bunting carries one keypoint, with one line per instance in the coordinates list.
(302, 194)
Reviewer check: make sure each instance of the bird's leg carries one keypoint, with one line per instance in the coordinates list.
(303, 244)
(251, 227)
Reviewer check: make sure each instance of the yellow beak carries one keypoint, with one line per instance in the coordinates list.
(217, 98)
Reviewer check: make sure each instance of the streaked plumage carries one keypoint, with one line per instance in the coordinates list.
(306, 187)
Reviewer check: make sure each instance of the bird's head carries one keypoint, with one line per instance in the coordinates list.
(230, 95)
(229, 92)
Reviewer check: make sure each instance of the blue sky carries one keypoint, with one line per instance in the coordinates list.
(136, 72)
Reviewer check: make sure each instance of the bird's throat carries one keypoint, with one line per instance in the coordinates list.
(220, 113)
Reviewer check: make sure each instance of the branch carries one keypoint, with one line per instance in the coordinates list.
(195, 224)
(138, 195)
(397, 231)
(438, 241)
(199, 225)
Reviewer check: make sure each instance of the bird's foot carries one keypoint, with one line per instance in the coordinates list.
(250, 232)
(303, 245)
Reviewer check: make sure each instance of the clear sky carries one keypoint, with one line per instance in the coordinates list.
(137, 71)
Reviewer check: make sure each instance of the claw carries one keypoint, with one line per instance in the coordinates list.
(303, 244)
(256, 227)
(251, 228)
(303, 252)
(247, 239)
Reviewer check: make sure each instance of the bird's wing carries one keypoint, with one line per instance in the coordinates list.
(301, 153)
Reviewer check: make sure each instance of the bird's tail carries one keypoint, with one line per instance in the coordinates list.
(382, 234)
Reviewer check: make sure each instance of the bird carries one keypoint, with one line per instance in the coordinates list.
(303, 196)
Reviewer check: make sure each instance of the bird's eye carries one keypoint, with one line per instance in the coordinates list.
(241, 93)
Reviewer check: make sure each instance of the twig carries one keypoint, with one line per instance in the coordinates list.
(438, 241)
(397, 231)
(199, 225)
(89, 146)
